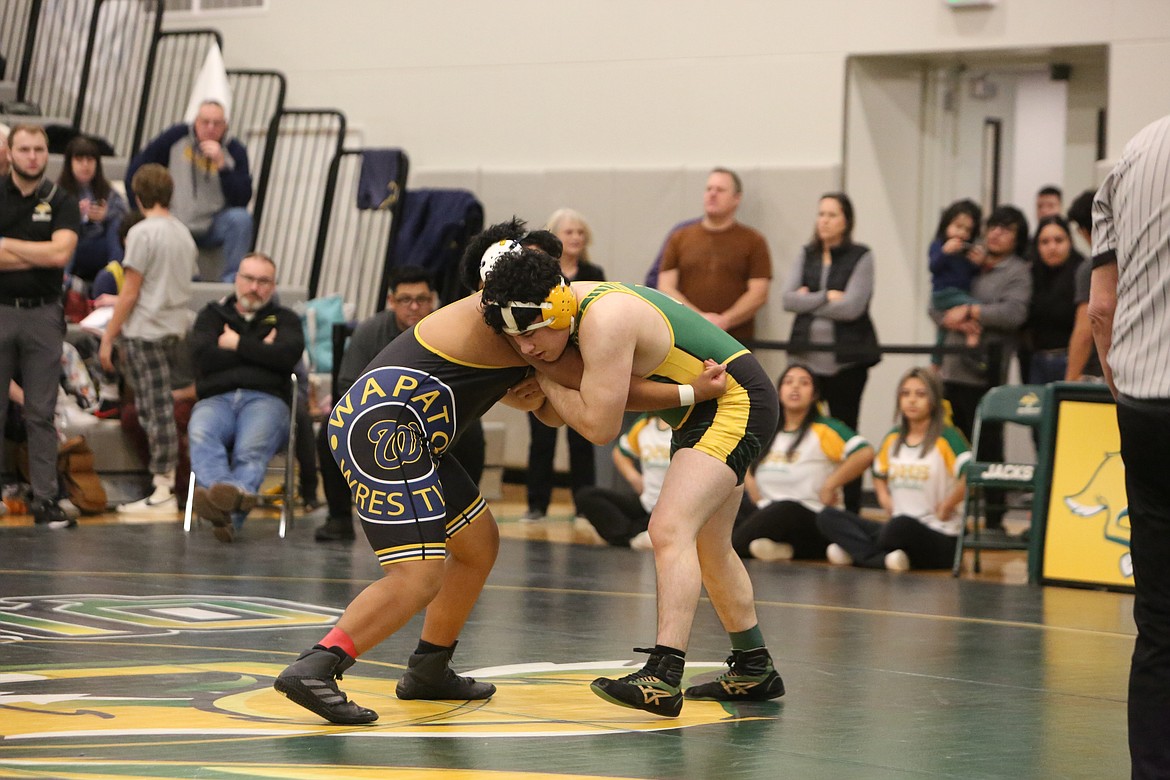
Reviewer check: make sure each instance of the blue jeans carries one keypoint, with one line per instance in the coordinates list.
(231, 229)
(1048, 366)
(233, 436)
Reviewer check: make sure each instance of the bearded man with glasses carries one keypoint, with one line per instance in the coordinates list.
(244, 349)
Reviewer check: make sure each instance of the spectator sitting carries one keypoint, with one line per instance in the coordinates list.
(244, 349)
(151, 317)
(411, 297)
(212, 182)
(102, 209)
(810, 459)
(641, 457)
(4, 130)
(918, 478)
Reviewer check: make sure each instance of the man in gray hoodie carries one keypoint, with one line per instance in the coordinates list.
(212, 182)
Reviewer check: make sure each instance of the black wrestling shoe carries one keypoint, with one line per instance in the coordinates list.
(648, 688)
(750, 677)
(335, 529)
(429, 676)
(308, 681)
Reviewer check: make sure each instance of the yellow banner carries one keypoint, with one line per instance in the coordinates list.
(1087, 537)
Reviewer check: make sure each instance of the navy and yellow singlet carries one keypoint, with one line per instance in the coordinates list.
(389, 433)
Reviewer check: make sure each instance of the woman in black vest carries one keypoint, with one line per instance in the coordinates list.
(828, 289)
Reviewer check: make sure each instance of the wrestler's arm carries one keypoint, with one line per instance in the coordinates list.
(645, 395)
(595, 410)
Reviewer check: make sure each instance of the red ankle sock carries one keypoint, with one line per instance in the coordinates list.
(338, 638)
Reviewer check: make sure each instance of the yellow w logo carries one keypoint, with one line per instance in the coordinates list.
(396, 445)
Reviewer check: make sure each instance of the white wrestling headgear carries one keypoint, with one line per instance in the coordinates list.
(557, 311)
(494, 253)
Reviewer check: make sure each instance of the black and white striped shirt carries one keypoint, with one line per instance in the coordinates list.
(1131, 222)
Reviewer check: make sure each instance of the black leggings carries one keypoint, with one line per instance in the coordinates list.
(789, 522)
(868, 541)
(618, 517)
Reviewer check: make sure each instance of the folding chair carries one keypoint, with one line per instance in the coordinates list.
(285, 500)
(1018, 404)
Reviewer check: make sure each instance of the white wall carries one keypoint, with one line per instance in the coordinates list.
(1039, 130)
(619, 108)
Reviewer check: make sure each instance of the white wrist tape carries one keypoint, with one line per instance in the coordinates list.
(686, 395)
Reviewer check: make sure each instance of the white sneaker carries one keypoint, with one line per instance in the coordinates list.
(768, 550)
(532, 516)
(898, 560)
(585, 533)
(837, 555)
(161, 501)
(642, 541)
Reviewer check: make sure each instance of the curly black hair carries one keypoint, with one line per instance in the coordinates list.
(544, 240)
(526, 276)
(512, 230)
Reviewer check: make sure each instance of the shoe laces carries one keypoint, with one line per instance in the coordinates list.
(739, 666)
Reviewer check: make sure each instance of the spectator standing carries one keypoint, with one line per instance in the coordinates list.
(918, 477)
(573, 231)
(1003, 289)
(1083, 363)
(212, 182)
(102, 209)
(39, 224)
(1131, 260)
(718, 266)
(1049, 203)
(802, 471)
(150, 318)
(244, 349)
(829, 289)
(1052, 311)
(951, 266)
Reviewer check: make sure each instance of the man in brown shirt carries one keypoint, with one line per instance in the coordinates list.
(718, 266)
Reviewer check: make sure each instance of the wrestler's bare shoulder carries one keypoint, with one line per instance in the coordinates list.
(458, 331)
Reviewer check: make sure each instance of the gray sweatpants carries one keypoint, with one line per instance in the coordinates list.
(30, 340)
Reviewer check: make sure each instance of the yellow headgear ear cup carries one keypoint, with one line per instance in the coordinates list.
(562, 307)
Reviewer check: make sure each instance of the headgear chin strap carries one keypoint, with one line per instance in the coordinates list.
(557, 311)
(494, 253)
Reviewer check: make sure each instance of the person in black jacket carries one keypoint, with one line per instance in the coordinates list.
(244, 349)
(829, 289)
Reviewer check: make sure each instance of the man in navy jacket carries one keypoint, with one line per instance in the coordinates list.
(212, 182)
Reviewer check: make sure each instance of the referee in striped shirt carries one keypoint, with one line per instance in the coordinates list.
(1130, 310)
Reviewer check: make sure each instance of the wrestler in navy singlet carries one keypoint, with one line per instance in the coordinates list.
(390, 433)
